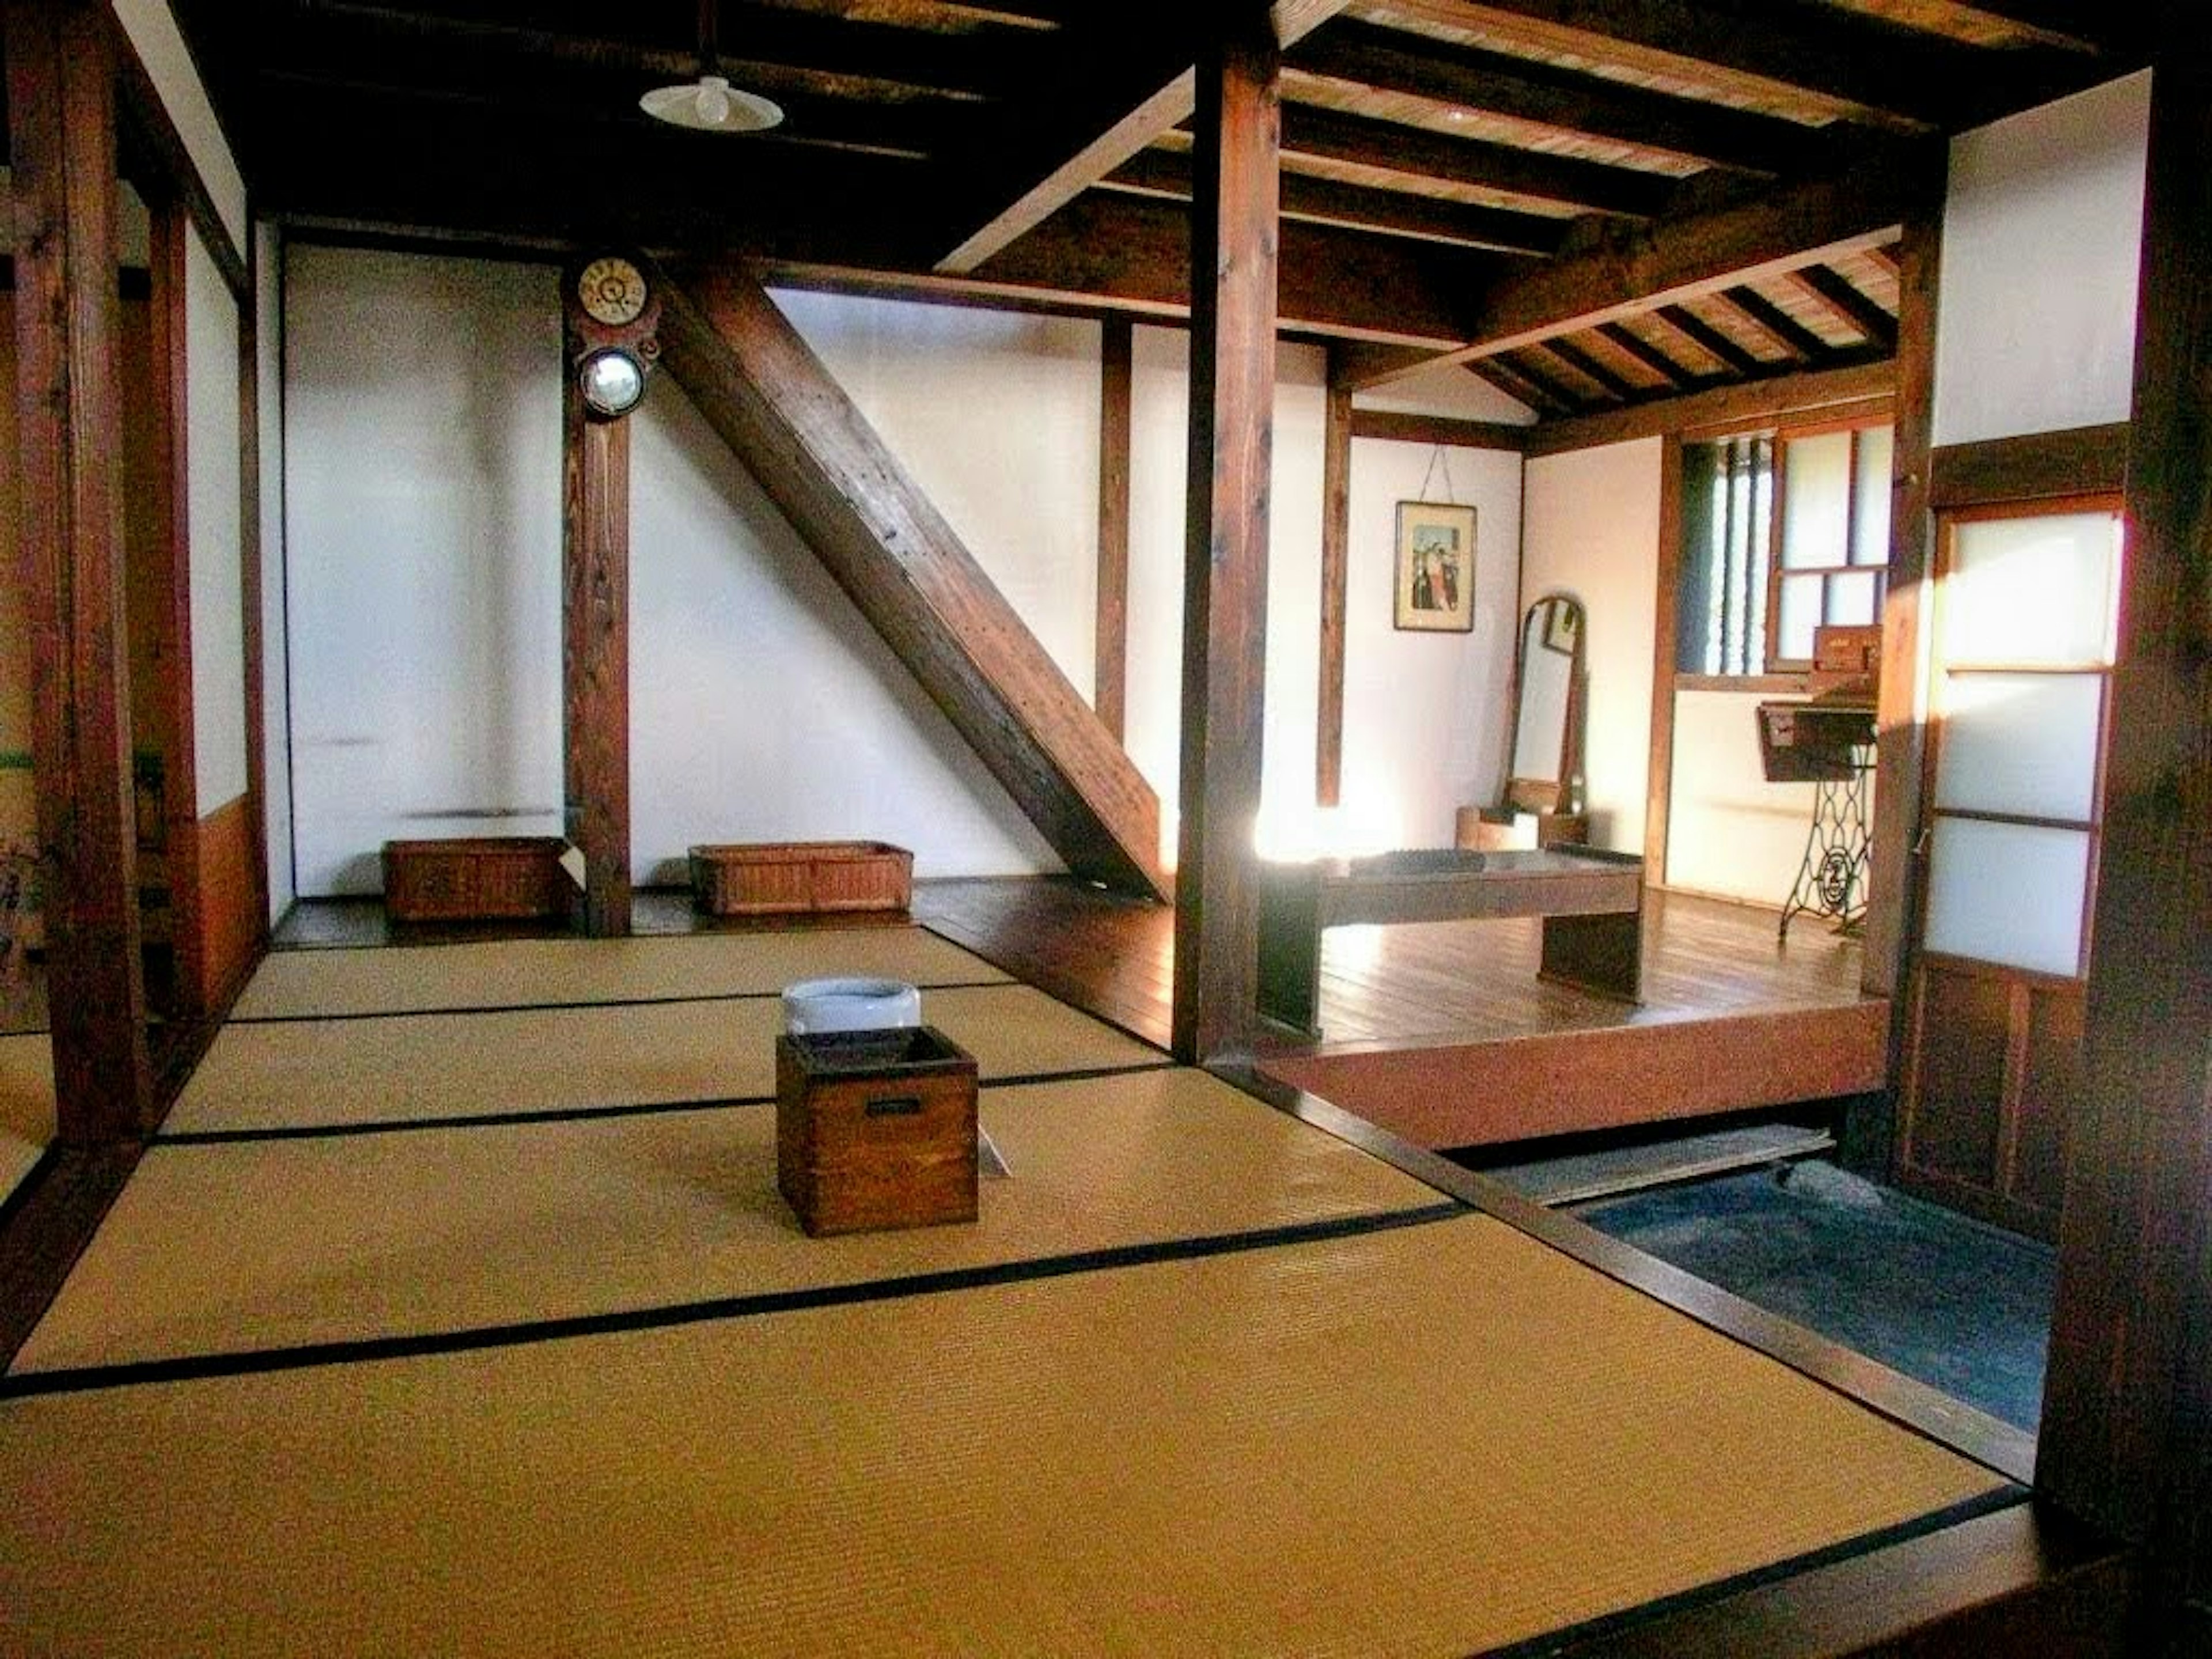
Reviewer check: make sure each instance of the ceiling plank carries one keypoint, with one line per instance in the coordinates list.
(1121, 77)
(1621, 389)
(1414, 65)
(1388, 212)
(1749, 404)
(1792, 335)
(2118, 31)
(1498, 374)
(1397, 147)
(1631, 268)
(1843, 299)
(1879, 71)
(1702, 333)
(1555, 390)
(1649, 355)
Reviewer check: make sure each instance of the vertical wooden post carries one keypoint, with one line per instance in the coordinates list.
(1115, 387)
(61, 127)
(595, 657)
(1232, 389)
(2127, 1417)
(1335, 563)
(1901, 733)
(1659, 788)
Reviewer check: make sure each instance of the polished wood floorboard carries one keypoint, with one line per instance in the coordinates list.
(1451, 980)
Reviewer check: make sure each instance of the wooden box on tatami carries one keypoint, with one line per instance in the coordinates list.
(875, 1129)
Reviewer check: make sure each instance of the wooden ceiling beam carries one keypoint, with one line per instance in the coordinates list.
(1414, 65)
(1555, 391)
(1621, 389)
(377, 40)
(1874, 70)
(1166, 172)
(2115, 31)
(1843, 299)
(1499, 376)
(1700, 331)
(1120, 76)
(1629, 270)
(1392, 146)
(1748, 405)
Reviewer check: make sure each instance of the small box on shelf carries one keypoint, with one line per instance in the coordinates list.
(875, 1129)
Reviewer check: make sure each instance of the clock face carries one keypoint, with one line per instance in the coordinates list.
(612, 291)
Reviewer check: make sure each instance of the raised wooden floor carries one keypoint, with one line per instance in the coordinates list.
(1441, 1031)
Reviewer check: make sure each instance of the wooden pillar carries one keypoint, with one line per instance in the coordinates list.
(1666, 650)
(1115, 377)
(595, 657)
(1232, 388)
(2127, 1417)
(61, 128)
(1335, 563)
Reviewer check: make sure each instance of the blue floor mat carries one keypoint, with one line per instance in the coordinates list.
(1963, 1307)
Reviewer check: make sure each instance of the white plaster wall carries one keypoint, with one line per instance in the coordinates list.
(995, 415)
(215, 514)
(422, 527)
(152, 30)
(276, 735)
(2042, 247)
(1424, 717)
(762, 706)
(1591, 528)
(1729, 832)
(1448, 389)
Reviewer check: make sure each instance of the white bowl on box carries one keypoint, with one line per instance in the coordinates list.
(812, 1007)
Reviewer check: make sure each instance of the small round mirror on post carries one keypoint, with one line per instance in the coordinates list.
(611, 381)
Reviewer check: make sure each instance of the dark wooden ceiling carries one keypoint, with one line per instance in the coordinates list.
(1591, 202)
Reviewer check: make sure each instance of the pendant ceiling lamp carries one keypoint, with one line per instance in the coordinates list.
(710, 104)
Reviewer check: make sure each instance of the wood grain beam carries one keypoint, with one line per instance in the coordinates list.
(1420, 66)
(595, 657)
(2127, 1424)
(1116, 377)
(1586, 365)
(1562, 181)
(1749, 404)
(1630, 269)
(61, 59)
(759, 385)
(1232, 393)
(1335, 282)
(1356, 207)
(1123, 77)
(2089, 460)
(1337, 433)
(1392, 425)
(1876, 70)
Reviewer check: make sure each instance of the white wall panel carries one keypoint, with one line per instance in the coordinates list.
(1592, 530)
(216, 523)
(423, 522)
(2042, 242)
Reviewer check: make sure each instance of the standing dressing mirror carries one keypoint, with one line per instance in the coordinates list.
(1543, 800)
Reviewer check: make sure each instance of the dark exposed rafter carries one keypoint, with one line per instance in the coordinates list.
(1786, 330)
(1649, 355)
(1386, 212)
(1396, 148)
(1844, 300)
(1697, 329)
(1586, 364)
(1393, 60)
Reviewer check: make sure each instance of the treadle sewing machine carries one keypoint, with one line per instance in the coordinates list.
(1829, 742)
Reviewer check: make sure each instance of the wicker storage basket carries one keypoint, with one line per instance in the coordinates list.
(474, 879)
(797, 877)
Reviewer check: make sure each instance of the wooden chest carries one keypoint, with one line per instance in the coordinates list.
(875, 1129)
(797, 877)
(472, 879)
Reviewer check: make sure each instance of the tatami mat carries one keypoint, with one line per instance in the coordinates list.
(318, 1073)
(264, 1243)
(1422, 1442)
(533, 973)
(27, 1106)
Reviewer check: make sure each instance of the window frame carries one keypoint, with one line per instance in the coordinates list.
(1785, 436)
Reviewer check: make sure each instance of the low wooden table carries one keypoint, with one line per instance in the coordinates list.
(1591, 900)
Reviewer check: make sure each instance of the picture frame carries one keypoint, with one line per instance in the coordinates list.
(1435, 567)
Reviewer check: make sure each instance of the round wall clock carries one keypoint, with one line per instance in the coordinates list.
(612, 290)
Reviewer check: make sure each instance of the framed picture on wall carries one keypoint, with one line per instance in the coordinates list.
(1435, 567)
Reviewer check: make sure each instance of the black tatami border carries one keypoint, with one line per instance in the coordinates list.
(584, 1114)
(305, 1356)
